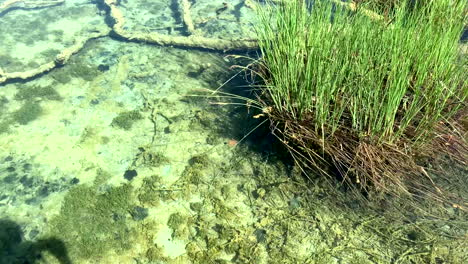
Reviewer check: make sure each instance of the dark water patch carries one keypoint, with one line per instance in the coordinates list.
(130, 174)
(103, 67)
(23, 183)
(139, 213)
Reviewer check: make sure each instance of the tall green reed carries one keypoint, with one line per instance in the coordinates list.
(383, 81)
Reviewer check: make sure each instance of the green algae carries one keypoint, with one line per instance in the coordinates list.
(201, 159)
(50, 53)
(282, 230)
(4, 126)
(196, 206)
(29, 112)
(156, 159)
(91, 223)
(176, 220)
(150, 158)
(61, 75)
(5, 121)
(178, 223)
(155, 254)
(194, 172)
(57, 35)
(102, 177)
(32, 92)
(148, 193)
(84, 71)
(125, 120)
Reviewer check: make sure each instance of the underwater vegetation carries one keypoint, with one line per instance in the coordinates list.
(37, 92)
(92, 222)
(367, 94)
(27, 113)
(125, 120)
(30, 110)
(224, 204)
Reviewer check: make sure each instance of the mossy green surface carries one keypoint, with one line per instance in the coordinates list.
(5, 121)
(60, 75)
(196, 207)
(156, 159)
(32, 92)
(10, 236)
(4, 126)
(92, 223)
(27, 113)
(193, 174)
(148, 194)
(178, 223)
(151, 158)
(82, 70)
(201, 159)
(155, 254)
(176, 220)
(102, 177)
(50, 53)
(125, 120)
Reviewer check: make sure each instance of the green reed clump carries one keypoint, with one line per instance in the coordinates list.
(361, 92)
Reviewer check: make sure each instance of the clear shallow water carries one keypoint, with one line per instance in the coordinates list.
(106, 160)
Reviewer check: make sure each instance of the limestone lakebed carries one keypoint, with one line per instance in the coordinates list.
(109, 156)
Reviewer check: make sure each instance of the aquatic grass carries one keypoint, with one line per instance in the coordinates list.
(365, 95)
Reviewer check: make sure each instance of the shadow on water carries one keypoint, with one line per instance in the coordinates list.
(15, 250)
(464, 37)
(243, 122)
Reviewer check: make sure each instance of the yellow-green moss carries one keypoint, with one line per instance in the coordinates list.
(27, 113)
(4, 126)
(193, 174)
(148, 195)
(125, 120)
(32, 92)
(151, 158)
(102, 177)
(92, 223)
(201, 159)
(175, 220)
(61, 75)
(155, 255)
(84, 71)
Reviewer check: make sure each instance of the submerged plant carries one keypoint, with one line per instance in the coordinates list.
(361, 94)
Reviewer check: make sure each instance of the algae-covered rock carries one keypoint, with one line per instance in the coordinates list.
(193, 174)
